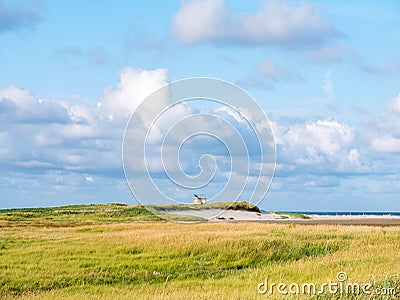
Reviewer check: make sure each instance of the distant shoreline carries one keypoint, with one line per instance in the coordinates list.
(344, 213)
(382, 221)
(304, 218)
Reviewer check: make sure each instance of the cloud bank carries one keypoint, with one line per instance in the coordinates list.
(52, 145)
(274, 23)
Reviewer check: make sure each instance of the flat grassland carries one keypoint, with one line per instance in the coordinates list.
(120, 252)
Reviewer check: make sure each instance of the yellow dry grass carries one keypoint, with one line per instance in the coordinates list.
(161, 260)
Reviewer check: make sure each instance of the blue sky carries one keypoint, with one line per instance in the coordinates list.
(327, 74)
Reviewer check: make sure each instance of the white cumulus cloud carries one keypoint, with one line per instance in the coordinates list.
(386, 144)
(20, 105)
(133, 87)
(322, 136)
(312, 147)
(275, 22)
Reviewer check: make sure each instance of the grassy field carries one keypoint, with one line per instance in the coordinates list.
(116, 251)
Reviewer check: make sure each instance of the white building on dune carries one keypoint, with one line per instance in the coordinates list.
(199, 199)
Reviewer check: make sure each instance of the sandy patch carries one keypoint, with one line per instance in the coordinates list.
(219, 215)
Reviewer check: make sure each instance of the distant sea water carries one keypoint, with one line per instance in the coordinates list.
(345, 213)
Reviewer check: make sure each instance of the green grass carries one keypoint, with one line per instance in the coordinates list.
(285, 215)
(75, 215)
(90, 252)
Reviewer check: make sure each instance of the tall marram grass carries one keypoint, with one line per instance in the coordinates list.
(160, 260)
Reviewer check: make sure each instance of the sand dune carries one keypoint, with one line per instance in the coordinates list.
(219, 215)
